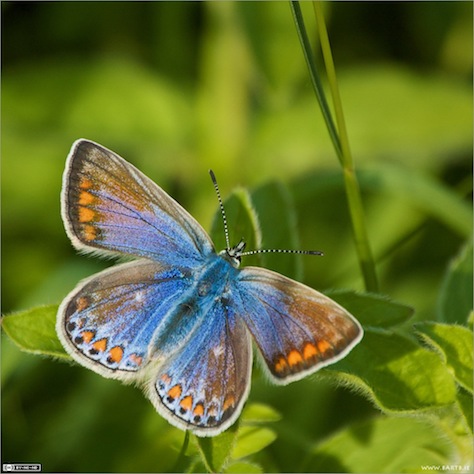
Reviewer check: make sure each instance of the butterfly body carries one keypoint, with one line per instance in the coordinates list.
(180, 319)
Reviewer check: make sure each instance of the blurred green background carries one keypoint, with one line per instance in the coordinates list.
(178, 88)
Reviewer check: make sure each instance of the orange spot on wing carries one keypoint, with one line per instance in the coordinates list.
(229, 402)
(323, 346)
(175, 392)
(294, 358)
(100, 345)
(187, 402)
(85, 198)
(86, 214)
(198, 410)
(116, 354)
(87, 336)
(89, 232)
(281, 365)
(309, 351)
(82, 303)
(137, 360)
(165, 378)
(85, 183)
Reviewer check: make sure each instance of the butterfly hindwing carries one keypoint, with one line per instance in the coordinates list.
(108, 321)
(297, 329)
(109, 205)
(204, 387)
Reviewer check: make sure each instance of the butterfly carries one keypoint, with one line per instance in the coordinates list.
(179, 319)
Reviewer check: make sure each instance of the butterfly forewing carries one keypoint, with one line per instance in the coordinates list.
(109, 205)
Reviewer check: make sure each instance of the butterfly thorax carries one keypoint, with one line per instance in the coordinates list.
(217, 273)
(208, 284)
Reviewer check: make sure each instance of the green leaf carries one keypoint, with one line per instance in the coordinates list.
(375, 446)
(242, 222)
(421, 190)
(259, 413)
(243, 466)
(372, 309)
(454, 344)
(215, 452)
(277, 217)
(396, 373)
(34, 330)
(418, 190)
(465, 404)
(455, 299)
(252, 439)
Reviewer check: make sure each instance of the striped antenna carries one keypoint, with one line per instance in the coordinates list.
(304, 252)
(221, 205)
(237, 251)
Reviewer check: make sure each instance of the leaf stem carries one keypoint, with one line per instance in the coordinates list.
(180, 460)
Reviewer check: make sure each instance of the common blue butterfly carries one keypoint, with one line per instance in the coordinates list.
(180, 318)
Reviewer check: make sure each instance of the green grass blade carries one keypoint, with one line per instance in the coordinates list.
(314, 76)
(340, 140)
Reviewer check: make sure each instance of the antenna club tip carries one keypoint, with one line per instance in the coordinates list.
(213, 177)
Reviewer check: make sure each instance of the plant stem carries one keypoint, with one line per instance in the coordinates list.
(316, 81)
(340, 140)
(181, 459)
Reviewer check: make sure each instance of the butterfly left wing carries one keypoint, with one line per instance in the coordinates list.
(108, 321)
(297, 329)
(203, 387)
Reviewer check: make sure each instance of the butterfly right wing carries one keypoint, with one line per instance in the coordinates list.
(109, 206)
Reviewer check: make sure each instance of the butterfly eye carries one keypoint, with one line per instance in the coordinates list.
(235, 253)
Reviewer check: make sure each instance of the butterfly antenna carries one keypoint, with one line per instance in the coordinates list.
(221, 205)
(237, 250)
(303, 252)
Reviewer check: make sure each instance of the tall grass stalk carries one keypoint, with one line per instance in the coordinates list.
(338, 136)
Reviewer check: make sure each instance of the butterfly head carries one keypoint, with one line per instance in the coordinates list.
(234, 254)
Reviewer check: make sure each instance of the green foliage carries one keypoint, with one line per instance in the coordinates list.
(178, 89)
(34, 331)
(374, 446)
(373, 310)
(397, 374)
(454, 345)
(455, 297)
